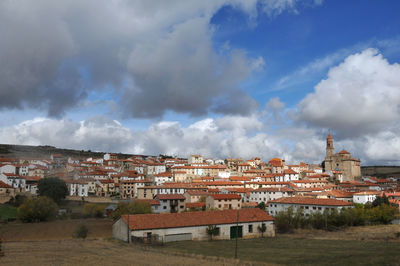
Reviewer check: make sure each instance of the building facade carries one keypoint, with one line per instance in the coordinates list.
(341, 161)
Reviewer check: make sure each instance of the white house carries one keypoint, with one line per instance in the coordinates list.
(168, 227)
(365, 196)
(308, 205)
(13, 180)
(78, 187)
(154, 168)
(271, 193)
(162, 178)
(8, 168)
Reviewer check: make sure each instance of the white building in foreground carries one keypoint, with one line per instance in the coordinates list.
(169, 227)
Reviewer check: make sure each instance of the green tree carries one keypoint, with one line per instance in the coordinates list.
(136, 207)
(53, 187)
(380, 200)
(212, 230)
(37, 210)
(262, 228)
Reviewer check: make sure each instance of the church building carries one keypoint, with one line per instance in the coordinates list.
(342, 161)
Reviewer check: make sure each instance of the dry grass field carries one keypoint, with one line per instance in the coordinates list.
(374, 232)
(54, 230)
(95, 252)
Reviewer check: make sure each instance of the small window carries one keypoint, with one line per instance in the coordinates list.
(165, 207)
(250, 228)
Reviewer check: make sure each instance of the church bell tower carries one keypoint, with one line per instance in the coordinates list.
(330, 151)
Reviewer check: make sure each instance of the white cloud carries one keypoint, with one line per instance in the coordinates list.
(359, 96)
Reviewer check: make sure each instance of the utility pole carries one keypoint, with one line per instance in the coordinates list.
(128, 230)
(237, 232)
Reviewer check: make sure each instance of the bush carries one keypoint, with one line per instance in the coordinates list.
(93, 210)
(81, 231)
(37, 210)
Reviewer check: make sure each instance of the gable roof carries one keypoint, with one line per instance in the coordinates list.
(225, 196)
(200, 218)
(311, 201)
(170, 196)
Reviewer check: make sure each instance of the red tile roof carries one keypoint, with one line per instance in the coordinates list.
(311, 201)
(200, 218)
(226, 196)
(4, 185)
(344, 152)
(170, 196)
(197, 192)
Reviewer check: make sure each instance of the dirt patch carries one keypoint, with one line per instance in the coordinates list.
(96, 252)
(59, 229)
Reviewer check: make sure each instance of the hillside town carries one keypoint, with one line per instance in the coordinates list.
(179, 190)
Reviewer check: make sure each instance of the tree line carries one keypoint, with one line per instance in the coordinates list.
(379, 212)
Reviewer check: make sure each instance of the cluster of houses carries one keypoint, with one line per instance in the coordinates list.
(180, 190)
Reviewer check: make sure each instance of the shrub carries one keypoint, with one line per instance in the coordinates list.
(93, 210)
(17, 200)
(81, 231)
(37, 210)
(135, 207)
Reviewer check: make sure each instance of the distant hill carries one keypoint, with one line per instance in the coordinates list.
(44, 152)
(381, 171)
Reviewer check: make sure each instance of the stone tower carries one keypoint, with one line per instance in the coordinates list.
(330, 151)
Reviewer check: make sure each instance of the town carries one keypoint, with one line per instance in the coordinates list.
(188, 196)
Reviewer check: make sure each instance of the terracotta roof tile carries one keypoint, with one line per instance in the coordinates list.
(311, 201)
(170, 196)
(200, 218)
(226, 196)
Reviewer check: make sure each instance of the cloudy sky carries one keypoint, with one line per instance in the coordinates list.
(223, 78)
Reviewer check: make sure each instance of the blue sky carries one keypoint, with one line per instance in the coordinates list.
(227, 78)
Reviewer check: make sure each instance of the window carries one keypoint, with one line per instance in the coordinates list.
(250, 228)
(165, 207)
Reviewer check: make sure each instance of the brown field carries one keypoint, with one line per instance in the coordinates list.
(96, 252)
(54, 230)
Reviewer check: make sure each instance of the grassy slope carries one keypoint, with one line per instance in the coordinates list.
(7, 211)
(289, 250)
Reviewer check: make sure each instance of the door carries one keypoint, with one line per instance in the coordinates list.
(236, 231)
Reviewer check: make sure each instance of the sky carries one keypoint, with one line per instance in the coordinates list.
(221, 78)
